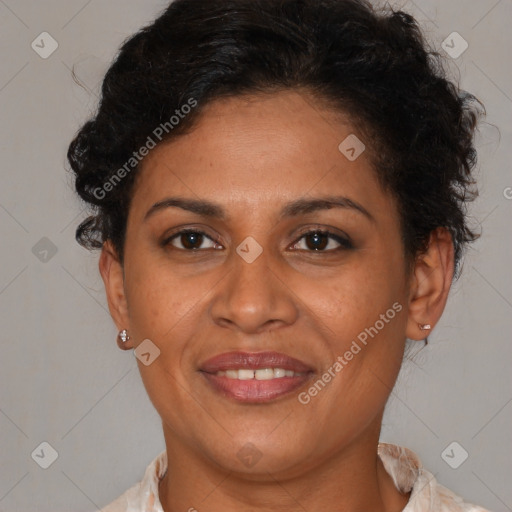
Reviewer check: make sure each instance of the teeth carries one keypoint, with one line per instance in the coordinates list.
(245, 374)
(259, 374)
(264, 374)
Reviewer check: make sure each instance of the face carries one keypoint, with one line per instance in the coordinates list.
(268, 276)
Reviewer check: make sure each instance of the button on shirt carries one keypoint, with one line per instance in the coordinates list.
(402, 465)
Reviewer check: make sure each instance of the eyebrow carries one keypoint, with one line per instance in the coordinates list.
(294, 208)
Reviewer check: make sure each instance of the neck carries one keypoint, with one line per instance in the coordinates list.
(352, 479)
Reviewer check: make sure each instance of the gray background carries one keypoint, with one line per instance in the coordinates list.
(63, 379)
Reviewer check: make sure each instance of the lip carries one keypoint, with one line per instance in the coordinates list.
(255, 360)
(253, 390)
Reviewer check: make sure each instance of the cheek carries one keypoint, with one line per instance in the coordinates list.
(363, 313)
(354, 298)
(157, 300)
(164, 311)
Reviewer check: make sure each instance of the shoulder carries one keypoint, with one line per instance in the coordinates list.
(409, 475)
(143, 496)
(429, 495)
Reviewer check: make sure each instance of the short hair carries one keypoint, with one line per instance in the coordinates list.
(374, 65)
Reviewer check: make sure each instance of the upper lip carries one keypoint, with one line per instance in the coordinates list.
(253, 360)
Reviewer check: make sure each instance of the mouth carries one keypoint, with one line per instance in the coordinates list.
(255, 377)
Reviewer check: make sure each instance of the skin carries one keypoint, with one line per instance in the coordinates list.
(251, 155)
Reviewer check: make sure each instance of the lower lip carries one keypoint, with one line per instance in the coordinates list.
(253, 390)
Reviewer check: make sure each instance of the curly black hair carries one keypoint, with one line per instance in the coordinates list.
(373, 65)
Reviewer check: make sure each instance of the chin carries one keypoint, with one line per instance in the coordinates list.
(255, 457)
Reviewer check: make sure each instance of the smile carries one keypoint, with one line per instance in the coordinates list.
(258, 374)
(255, 377)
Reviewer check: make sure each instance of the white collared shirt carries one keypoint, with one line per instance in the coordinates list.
(402, 465)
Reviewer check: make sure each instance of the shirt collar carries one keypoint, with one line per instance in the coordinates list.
(401, 464)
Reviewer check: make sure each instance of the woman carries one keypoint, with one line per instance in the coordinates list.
(279, 191)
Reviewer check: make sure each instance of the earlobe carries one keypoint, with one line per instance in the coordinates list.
(430, 284)
(111, 272)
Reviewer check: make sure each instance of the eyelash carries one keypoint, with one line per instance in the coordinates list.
(345, 243)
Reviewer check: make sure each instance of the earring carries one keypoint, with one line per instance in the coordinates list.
(424, 327)
(124, 335)
(122, 338)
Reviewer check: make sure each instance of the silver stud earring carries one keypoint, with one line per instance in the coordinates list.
(425, 327)
(123, 336)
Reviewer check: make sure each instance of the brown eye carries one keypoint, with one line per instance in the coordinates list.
(317, 241)
(190, 241)
(322, 241)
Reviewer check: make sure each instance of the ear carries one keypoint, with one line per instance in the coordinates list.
(430, 283)
(112, 274)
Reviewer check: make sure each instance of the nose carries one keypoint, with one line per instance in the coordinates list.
(253, 297)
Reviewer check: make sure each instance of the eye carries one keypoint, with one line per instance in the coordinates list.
(322, 241)
(190, 240)
(312, 241)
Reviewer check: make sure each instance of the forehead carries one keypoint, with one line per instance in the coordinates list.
(258, 151)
